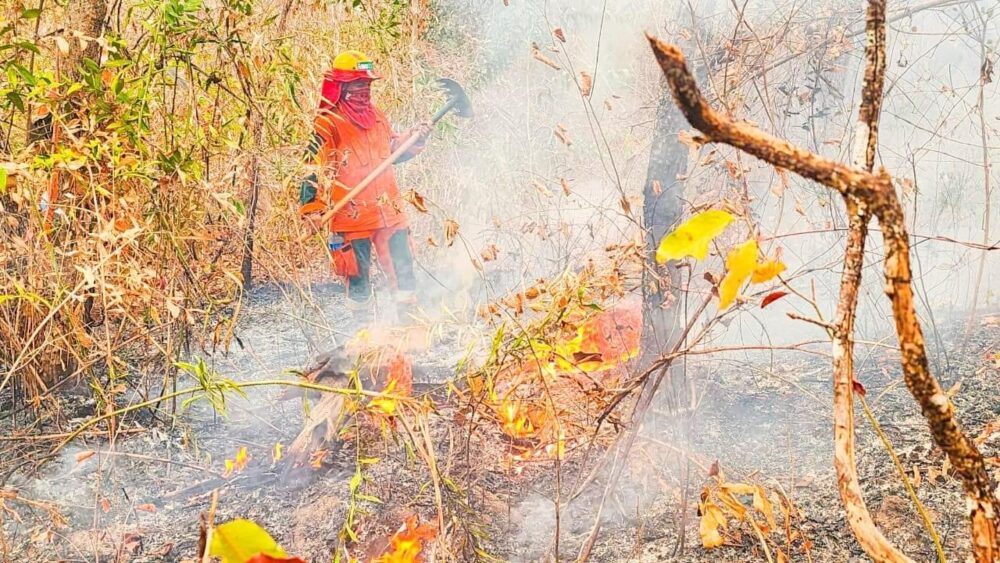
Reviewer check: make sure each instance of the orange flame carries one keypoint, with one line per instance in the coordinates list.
(408, 542)
(514, 420)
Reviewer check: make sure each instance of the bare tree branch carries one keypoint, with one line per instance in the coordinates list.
(859, 518)
(874, 195)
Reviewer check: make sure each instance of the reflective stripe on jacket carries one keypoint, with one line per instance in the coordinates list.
(347, 155)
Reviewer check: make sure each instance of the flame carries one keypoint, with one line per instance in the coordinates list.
(237, 465)
(589, 344)
(316, 458)
(408, 542)
(514, 419)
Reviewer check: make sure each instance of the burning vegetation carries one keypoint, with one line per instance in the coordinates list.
(578, 324)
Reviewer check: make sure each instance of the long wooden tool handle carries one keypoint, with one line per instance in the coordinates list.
(375, 173)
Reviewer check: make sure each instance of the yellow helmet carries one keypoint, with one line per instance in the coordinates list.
(355, 61)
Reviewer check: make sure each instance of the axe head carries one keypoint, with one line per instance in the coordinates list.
(461, 105)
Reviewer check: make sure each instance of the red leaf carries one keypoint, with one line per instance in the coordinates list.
(714, 469)
(858, 387)
(772, 297)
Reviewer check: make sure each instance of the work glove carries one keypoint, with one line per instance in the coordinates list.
(425, 128)
(308, 189)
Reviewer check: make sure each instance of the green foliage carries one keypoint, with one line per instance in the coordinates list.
(213, 386)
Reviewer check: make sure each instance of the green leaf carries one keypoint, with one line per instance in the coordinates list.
(240, 540)
(31, 13)
(693, 237)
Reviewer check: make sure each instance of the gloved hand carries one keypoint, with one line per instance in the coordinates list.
(425, 128)
(308, 189)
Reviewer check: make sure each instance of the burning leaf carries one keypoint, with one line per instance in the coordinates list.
(243, 541)
(450, 232)
(489, 253)
(740, 263)
(693, 237)
(712, 518)
(416, 200)
(277, 454)
(408, 542)
(772, 297)
(563, 135)
(766, 271)
(586, 83)
(84, 456)
(558, 33)
(536, 52)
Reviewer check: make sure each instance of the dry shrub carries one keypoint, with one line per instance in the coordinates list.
(155, 152)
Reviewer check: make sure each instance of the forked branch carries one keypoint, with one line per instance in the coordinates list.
(871, 539)
(874, 194)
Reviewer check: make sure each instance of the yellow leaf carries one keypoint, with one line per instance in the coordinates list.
(740, 264)
(737, 488)
(732, 504)
(712, 518)
(692, 238)
(766, 271)
(277, 455)
(239, 540)
(385, 404)
(763, 504)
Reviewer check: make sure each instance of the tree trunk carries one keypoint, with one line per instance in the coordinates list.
(660, 212)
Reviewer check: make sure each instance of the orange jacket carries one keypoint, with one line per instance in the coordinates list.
(347, 155)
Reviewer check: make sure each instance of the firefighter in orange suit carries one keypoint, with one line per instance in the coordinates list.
(351, 137)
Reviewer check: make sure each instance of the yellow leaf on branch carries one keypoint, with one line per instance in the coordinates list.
(712, 518)
(693, 237)
(740, 264)
(766, 271)
(763, 505)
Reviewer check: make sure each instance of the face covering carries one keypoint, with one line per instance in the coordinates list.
(353, 102)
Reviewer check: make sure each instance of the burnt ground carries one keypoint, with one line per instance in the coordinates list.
(766, 422)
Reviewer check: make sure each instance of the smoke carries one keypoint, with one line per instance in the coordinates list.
(504, 176)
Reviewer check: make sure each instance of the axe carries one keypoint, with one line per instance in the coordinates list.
(457, 100)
